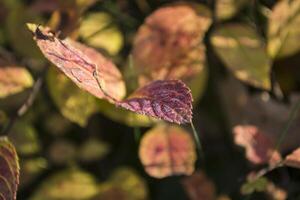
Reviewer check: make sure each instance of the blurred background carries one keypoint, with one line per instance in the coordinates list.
(240, 58)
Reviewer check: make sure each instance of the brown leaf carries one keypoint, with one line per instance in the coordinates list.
(79, 63)
(169, 44)
(293, 159)
(167, 150)
(168, 100)
(9, 170)
(259, 147)
(13, 79)
(198, 186)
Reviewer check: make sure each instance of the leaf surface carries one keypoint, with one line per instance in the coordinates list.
(169, 100)
(9, 170)
(167, 150)
(242, 51)
(293, 159)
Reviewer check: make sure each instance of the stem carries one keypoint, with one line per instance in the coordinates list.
(27, 104)
(292, 116)
(197, 140)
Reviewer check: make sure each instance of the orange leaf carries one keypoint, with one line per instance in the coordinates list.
(293, 159)
(259, 147)
(167, 150)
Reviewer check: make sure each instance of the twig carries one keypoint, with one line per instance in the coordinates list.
(27, 104)
(197, 140)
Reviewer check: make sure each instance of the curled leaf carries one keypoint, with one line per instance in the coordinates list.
(83, 65)
(13, 79)
(167, 150)
(293, 159)
(9, 170)
(259, 147)
(243, 52)
(169, 100)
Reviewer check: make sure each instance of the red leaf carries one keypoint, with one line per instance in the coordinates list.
(259, 147)
(170, 100)
(79, 63)
(293, 159)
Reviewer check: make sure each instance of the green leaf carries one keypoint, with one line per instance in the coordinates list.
(24, 137)
(243, 52)
(93, 149)
(283, 29)
(98, 30)
(70, 184)
(74, 103)
(9, 170)
(14, 79)
(226, 9)
(124, 183)
(258, 185)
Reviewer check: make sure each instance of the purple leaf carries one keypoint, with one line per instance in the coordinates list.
(9, 170)
(170, 100)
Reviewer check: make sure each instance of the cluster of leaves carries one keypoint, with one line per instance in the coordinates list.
(91, 54)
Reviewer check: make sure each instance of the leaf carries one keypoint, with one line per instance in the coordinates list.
(70, 184)
(258, 185)
(283, 31)
(9, 170)
(259, 147)
(79, 63)
(125, 116)
(199, 186)
(98, 30)
(13, 79)
(167, 150)
(62, 152)
(226, 9)
(293, 159)
(131, 187)
(93, 149)
(242, 51)
(75, 104)
(24, 137)
(169, 45)
(168, 100)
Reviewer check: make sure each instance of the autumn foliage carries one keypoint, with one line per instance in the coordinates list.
(140, 99)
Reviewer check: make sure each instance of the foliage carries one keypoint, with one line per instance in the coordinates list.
(143, 99)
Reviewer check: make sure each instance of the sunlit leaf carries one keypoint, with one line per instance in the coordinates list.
(226, 9)
(198, 186)
(168, 100)
(124, 184)
(98, 30)
(25, 139)
(259, 147)
(13, 79)
(167, 150)
(293, 159)
(283, 29)
(93, 149)
(9, 170)
(75, 104)
(67, 185)
(242, 51)
(169, 45)
(79, 63)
